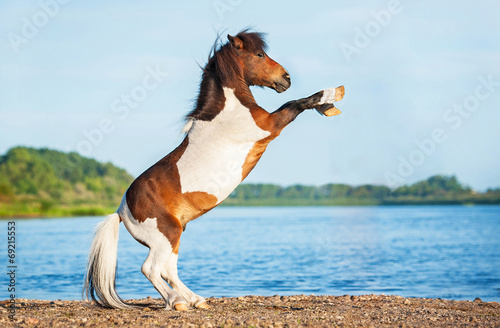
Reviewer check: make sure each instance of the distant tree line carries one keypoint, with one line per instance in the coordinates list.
(437, 189)
(264, 191)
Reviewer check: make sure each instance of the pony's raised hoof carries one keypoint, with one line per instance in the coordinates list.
(325, 105)
(328, 110)
(180, 307)
(339, 93)
(332, 95)
(203, 305)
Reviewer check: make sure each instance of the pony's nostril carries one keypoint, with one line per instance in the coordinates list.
(286, 76)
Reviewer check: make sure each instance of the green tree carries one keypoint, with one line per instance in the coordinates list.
(51, 174)
(437, 185)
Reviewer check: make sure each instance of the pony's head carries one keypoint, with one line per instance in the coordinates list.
(237, 64)
(257, 67)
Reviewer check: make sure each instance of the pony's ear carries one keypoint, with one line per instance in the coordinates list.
(235, 41)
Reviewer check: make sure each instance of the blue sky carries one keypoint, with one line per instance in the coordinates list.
(422, 83)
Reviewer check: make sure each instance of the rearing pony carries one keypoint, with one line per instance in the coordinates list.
(226, 135)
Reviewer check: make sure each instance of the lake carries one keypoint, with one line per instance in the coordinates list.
(450, 252)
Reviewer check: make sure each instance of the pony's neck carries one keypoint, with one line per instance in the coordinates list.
(210, 100)
(242, 92)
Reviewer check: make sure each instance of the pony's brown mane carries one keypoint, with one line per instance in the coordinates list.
(223, 70)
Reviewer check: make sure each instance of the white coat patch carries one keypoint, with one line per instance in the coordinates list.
(331, 95)
(328, 96)
(213, 160)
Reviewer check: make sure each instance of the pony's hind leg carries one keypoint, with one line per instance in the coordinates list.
(162, 236)
(152, 269)
(169, 273)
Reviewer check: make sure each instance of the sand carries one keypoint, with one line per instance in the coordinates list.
(260, 311)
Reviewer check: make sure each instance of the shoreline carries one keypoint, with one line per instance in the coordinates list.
(262, 311)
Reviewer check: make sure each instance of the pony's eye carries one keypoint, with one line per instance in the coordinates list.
(260, 54)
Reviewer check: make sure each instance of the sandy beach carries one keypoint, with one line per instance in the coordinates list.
(260, 311)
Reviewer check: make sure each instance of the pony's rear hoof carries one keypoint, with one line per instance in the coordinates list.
(203, 306)
(180, 307)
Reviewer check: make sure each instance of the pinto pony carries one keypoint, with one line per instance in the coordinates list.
(226, 135)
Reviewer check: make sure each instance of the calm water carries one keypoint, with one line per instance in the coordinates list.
(449, 252)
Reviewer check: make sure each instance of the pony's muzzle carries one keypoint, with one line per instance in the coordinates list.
(283, 83)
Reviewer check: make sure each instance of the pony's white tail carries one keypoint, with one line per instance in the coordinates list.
(100, 278)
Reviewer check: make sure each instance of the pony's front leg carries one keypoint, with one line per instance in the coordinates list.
(321, 101)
